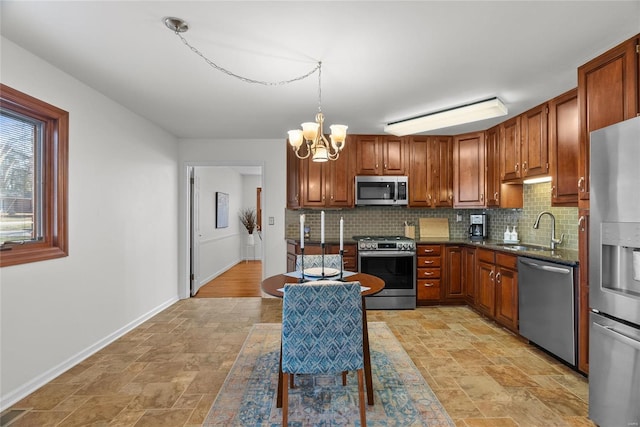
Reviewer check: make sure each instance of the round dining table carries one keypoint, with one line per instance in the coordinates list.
(371, 285)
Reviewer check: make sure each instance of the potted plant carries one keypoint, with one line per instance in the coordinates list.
(248, 219)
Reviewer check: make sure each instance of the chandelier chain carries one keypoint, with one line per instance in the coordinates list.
(246, 79)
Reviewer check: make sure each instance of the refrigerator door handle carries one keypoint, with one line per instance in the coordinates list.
(618, 336)
(547, 267)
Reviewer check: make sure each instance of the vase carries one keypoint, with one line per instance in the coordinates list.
(250, 240)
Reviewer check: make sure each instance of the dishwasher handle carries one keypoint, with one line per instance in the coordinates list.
(543, 267)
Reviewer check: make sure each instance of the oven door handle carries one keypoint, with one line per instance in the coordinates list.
(618, 336)
(380, 254)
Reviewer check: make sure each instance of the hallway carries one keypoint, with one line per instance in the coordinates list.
(241, 280)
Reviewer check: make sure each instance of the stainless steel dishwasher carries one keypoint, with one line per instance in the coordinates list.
(547, 306)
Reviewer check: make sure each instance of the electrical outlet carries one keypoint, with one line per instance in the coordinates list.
(458, 218)
(272, 220)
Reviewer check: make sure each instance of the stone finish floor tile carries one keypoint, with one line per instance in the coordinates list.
(167, 371)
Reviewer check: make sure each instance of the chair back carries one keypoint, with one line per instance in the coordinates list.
(322, 327)
(314, 261)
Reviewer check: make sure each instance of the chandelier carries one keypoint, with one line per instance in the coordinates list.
(312, 134)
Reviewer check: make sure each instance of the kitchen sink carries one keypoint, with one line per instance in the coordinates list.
(524, 247)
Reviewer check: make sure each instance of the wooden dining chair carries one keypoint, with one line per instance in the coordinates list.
(322, 334)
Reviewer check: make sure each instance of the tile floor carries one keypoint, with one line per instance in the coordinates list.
(167, 371)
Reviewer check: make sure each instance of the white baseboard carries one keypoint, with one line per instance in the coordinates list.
(8, 399)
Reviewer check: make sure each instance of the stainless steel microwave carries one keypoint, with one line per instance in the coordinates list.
(382, 190)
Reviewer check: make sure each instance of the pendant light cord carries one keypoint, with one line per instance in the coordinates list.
(246, 79)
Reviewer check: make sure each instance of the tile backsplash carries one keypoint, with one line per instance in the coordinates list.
(374, 220)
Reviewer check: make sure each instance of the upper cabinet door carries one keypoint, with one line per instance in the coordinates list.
(607, 94)
(340, 179)
(535, 147)
(510, 149)
(293, 179)
(441, 170)
(564, 148)
(493, 166)
(468, 170)
(394, 155)
(419, 171)
(367, 155)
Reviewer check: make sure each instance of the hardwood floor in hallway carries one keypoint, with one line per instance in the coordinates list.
(241, 280)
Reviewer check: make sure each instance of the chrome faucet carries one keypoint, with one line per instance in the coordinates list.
(554, 241)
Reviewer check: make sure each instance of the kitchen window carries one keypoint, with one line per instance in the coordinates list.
(33, 179)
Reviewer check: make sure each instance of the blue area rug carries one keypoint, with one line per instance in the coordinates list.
(248, 396)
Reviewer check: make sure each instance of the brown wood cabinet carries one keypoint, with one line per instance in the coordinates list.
(328, 184)
(534, 153)
(429, 262)
(293, 179)
(497, 287)
(492, 138)
(349, 259)
(469, 274)
(564, 148)
(381, 155)
(510, 149)
(453, 275)
(608, 93)
(583, 293)
(469, 170)
(430, 171)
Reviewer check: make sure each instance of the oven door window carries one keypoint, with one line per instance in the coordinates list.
(396, 271)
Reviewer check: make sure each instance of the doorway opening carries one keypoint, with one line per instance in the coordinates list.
(223, 261)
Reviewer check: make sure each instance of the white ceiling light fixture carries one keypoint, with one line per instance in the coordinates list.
(312, 133)
(468, 113)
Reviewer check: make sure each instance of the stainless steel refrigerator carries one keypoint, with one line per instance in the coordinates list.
(614, 275)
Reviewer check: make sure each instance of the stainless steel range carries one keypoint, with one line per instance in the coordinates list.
(393, 259)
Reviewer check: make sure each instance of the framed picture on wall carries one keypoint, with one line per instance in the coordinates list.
(222, 210)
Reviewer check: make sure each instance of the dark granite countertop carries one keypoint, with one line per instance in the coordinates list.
(561, 256)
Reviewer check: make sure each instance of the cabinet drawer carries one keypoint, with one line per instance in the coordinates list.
(428, 289)
(486, 255)
(349, 250)
(506, 260)
(428, 273)
(429, 261)
(350, 264)
(428, 250)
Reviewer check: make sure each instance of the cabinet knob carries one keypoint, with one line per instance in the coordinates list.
(495, 195)
(428, 262)
(428, 273)
(524, 166)
(427, 251)
(482, 197)
(581, 184)
(581, 221)
(498, 277)
(517, 167)
(428, 285)
(491, 274)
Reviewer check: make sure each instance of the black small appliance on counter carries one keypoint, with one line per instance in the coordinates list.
(479, 227)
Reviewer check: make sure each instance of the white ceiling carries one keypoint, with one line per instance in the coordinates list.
(382, 61)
